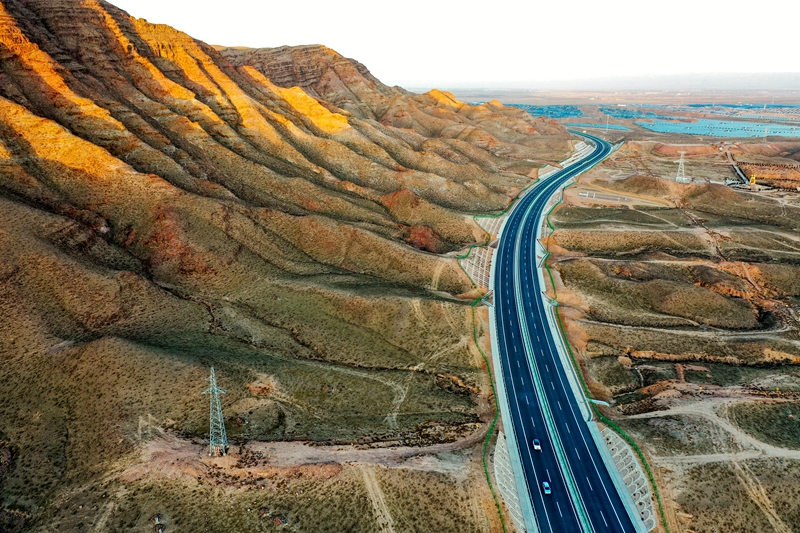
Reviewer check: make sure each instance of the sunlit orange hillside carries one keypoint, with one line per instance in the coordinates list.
(278, 213)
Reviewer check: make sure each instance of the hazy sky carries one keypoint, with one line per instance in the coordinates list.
(425, 43)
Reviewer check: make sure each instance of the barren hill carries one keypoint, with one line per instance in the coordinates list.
(437, 114)
(280, 214)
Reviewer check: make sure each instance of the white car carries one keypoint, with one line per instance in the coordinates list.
(546, 487)
(537, 445)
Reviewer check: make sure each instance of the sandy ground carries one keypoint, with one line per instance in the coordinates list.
(168, 456)
(588, 193)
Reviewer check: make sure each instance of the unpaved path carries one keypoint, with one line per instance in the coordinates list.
(168, 456)
(759, 496)
(399, 390)
(709, 333)
(382, 515)
(100, 523)
(437, 273)
(716, 411)
(632, 197)
(752, 448)
(280, 453)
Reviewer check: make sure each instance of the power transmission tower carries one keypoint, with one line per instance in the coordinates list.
(218, 439)
(680, 177)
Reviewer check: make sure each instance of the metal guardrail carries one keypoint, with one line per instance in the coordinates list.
(516, 463)
(514, 452)
(545, 406)
(581, 392)
(501, 399)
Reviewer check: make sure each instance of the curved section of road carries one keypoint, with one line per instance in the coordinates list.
(541, 404)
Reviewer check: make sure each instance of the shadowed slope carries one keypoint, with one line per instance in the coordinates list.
(163, 209)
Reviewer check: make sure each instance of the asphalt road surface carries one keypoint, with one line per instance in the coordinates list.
(542, 404)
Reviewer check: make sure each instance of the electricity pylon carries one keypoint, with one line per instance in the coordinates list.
(680, 177)
(218, 439)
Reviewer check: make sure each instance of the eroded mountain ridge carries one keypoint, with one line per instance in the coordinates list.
(278, 213)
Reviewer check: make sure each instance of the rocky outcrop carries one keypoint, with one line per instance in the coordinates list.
(319, 71)
(348, 85)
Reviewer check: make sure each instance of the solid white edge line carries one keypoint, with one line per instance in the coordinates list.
(578, 392)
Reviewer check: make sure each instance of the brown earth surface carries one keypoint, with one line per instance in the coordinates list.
(681, 302)
(280, 214)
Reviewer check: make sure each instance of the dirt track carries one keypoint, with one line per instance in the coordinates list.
(751, 448)
(172, 457)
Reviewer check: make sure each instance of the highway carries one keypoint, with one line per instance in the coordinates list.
(542, 404)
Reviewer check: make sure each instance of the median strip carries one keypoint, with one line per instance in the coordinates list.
(500, 401)
(551, 429)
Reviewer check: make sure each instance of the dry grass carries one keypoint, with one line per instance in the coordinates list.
(95, 365)
(752, 497)
(688, 345)
(782, 277)
(328, 498)
(657, 302)
(432, 501)
(680, 435)
(691, 302)
(612, 374)
(633, 244)
(335, 504)
(716, 501)
(774, 423)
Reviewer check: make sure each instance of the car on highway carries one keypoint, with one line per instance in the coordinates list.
(537, 445)
(546, 487)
